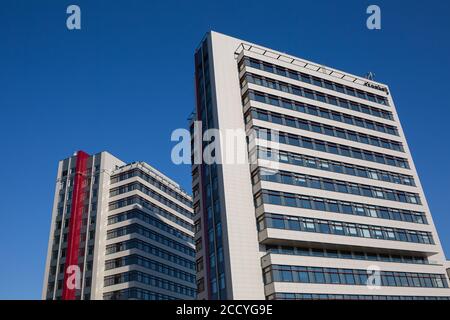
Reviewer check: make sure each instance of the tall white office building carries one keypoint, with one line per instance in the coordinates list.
(125, 230)
(344, 216)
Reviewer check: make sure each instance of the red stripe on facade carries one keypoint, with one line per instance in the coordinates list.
(75, 223)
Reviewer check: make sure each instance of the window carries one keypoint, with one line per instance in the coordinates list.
(286, 276)
(366, 191)
(363, 139)
(378, 194)
(277, 222)
(333, 206)
(349, 277)
(359, 122)
(315, 183)
(413, 199)
(321, 98)
(273, 101)
(401, 235)
(320, 147)
(319, 204)
(351, 230)
(199, 265)
(317, 252)
(296, 91)
(317, 275)
(263, 115)
(359, 210)
(347, 208)
(332, 100)
(340, 133)
(260, 97)
(284, 88)
(339, 169)
(389, 279)
(350, 91)
(333, 149)
(290, 201)
(307, 143)
(353, 188)
(324, 227)
(357, 154)
(305, 203)
(308, 94)
(300, 181)
(294, 224)
(286, 178)
(365, 232)
(276, 119)
(373, 175)
(328, 130)
(309, 225)
(303, 275)
(267, 67)
(372, 212)
(274, 199)
(198, 244)
(390, 233)
(346, 153)
(197, 226)
(361, 94)
(293, 75)
(317, 81)
(254, 64)
(286, 104)
(328, 85)
(280, 71)
(348, 119)
(328, 185)
(336, 116)
(339, 88)
(338, 229)
(378, 234)
(334, 276)
(316, 127)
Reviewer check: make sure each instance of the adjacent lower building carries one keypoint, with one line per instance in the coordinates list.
(118, 231)
(343, 201)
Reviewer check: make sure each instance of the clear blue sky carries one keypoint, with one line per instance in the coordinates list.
(125, 81)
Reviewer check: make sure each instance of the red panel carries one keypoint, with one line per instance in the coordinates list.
(75, 223)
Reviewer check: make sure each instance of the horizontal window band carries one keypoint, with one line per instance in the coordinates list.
(301, 224)
(288, 104)
(346, 168)
(336, 276)
(320, 82)
(344, 254)
(336, 206)
(314, 95)
(340, 186)
(329, 147)
(320, 128)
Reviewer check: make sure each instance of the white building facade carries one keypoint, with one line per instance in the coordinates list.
(126, 227)
(343, 216)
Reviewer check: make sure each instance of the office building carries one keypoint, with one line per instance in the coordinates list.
(342, 216)
(127, 229)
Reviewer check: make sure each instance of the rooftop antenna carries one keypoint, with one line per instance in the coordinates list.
(370, 76)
